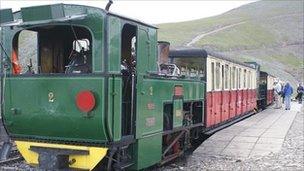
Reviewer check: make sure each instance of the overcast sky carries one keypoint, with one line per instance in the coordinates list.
(153, 12)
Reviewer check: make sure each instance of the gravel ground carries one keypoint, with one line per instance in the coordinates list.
(290, 156)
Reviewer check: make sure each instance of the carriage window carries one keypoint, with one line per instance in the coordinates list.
(218, 75)
(61, 49)
(239, 78)
(249, 79)
(222, 78)
(252, 80)
(245, 79)
(191, 66)
(227, 77)
(169, 70)
(233, 78)
(212, 75)
(230, 77)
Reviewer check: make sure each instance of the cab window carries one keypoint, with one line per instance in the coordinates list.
(52, 49)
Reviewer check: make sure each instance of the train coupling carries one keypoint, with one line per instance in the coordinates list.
(60, 156)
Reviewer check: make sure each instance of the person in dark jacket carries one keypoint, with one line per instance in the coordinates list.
(300, 91)
(287, 93)
(282, 94)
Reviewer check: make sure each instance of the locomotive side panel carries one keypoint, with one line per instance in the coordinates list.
(153, 95)
(41, 108)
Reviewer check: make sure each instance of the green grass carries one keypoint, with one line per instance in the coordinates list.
(288, 59)
(180, 33)
(249, 35)
(270, 56)
(255, 13)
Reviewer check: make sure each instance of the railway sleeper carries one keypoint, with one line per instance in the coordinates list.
(5, 150)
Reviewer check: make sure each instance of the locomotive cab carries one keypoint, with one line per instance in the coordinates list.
(50, 89)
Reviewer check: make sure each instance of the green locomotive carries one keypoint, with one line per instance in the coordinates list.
(92, 91)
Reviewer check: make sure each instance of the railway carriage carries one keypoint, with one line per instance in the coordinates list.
(230, 85)
(231, 90)
(266, 85)
(92, 89)
(270, 88)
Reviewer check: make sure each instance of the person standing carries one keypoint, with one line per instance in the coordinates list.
(277, 95)
(300, 91)
(282, 89)
(287, 93)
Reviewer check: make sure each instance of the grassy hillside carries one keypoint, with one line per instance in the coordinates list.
(269, 32)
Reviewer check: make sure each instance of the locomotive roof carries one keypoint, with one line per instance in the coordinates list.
(17, 15)
(131, 19)
(201, 53)
(188, 53)
(267, 74)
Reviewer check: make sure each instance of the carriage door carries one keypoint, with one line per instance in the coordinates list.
(128, 71)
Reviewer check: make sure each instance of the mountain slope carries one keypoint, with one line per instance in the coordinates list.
(269, 32)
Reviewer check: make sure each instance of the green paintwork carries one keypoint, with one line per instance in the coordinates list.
(6, 15)
(162, 91)
(114, 44)
(31, 122)
(177, 113)
(114, 106)
(29, 114)
(29, 111)
(146, 50)
(46, 12)
(148, 151)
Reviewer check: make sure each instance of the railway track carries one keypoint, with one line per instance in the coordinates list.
(11, 161)
(14, 158)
